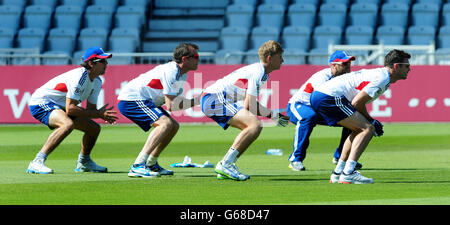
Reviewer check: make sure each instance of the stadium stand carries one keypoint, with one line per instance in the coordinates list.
(421, 35)
(231, 30)
(363, 14)
(68, 16)
(62, 40)
(425, 14)
(333, 14)
(270, 15)
(240, 15)
(10, 16)
(302, 14)
(390, 35)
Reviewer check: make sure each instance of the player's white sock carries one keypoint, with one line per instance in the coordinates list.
(142, 158)
(340, 166)
(231, 156)
(83, 158)
(42, 156)
(152, 161)
(349, 167)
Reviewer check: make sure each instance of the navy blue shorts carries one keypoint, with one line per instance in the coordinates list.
(219, 108)
(142, 112)
(332, 109)
(42, 112)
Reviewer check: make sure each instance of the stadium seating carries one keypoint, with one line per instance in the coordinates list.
(62, 40)
(98, 16)
(81, 3)
(345, 2)
(425, 14)
(37, 16)
(390, 35)
(6, 38)
(190, 4)
(296, 37)
(445, 20)
(407, 2)
(316, 3)
(228, 56)
(363, 14)
(92, 37)
(324, 35)
(270, 15)
(444, 37)
(421, 35)
(333, 14)
(302, 15)
(124, 40)
(245, 2)
(68, 16)
(240, 15)
(376, 2)
(319, 56)
(294, 56)
(49, 3)
(278, 2)
(10, 17)
(259, 35)
(395, 14)
(358, 35)
(31, 38)
(19, 3)
(111, 3)
(61, 58)
(234, 38)
(140, 3)
(130, 17)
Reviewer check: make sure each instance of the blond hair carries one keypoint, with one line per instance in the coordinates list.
(269, 48)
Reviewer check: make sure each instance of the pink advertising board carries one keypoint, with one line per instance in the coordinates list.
(423, 97)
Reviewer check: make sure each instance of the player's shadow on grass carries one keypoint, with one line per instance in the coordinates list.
(416, 182)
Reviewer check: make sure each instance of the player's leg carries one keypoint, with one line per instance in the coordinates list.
(91, 131)
(58, 120)
(250, 128)
(362, 133)
(165, 128)
(305, 118)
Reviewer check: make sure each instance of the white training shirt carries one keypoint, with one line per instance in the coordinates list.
(304, 93)
(154, 84)
(74, 84)
(372, 81)
(246, 80)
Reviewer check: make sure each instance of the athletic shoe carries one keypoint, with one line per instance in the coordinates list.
(141, 170)
(158, 169)
(231, 171)
(334, 178)
(222, 177)
(296, 166)
(358, 165)
(38, 166)
(90, 166)
(354, 178)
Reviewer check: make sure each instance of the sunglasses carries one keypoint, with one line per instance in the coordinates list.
(196, 56)
(99, 60)
(406, 64)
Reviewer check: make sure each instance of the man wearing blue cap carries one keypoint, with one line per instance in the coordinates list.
(55, 104)
(301, 113)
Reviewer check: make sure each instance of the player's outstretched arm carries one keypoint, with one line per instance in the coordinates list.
(176, 103)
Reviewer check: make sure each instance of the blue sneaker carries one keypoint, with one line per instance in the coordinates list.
(141, 170)
(158, 169)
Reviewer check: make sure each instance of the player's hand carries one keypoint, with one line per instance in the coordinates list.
(281, 119)
(378, 128)
(108, 114)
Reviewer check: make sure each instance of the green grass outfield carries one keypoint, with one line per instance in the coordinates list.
(410, 165)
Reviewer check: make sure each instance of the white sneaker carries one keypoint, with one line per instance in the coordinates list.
(354, 178)
(296, 166)
(141, 170)
(38, 166)
(90, 166)
(158, 169)
(231, 171)
(334, 178)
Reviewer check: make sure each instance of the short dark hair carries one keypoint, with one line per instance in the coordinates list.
(183, 50)
(395, 56)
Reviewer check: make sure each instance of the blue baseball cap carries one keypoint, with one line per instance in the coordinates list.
(95, 52)
(341, 56)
